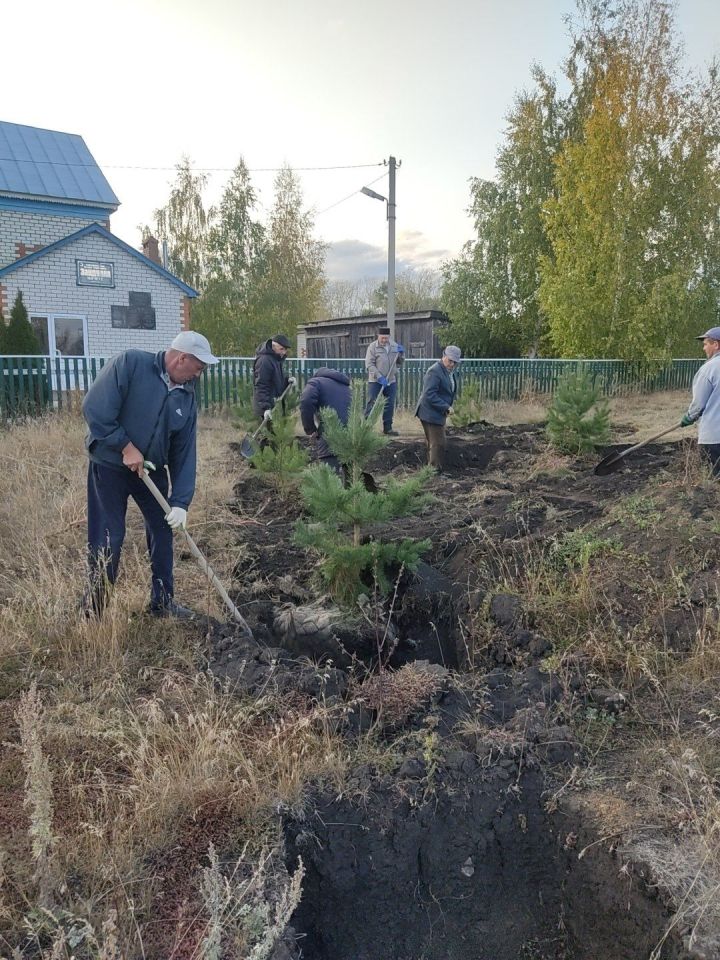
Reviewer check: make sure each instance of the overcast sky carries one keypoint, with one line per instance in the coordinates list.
(314, 83)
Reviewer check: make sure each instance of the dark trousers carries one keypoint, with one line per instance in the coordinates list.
(435, 440)
(108, 492)
(390, 392)
(711, 453)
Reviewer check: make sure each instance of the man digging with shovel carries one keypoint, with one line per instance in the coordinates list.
(142, 408)
(705, 404)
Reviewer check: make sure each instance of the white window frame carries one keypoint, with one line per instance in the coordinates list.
(50, 319)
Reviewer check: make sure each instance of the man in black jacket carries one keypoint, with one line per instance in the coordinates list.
(269, 378)
(326, 388)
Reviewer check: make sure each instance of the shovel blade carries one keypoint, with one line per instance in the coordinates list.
(248, 448)
(609, 464)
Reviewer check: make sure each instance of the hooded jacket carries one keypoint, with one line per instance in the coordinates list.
(439, 389)
(326, 388)
(131, 402)
(269, 378)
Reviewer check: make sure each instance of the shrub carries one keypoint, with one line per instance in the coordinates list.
(578, 420)
(18, 336)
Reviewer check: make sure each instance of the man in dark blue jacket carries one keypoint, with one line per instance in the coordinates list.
(141, 407)
(435, 403)
(269, 378)
(326, 388)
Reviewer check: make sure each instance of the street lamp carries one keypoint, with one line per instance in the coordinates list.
(390, 212)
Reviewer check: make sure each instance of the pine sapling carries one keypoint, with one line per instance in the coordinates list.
(339, 514)
(578, 420)
(281, 458)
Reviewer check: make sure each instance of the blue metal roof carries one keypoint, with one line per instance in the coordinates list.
(50, 165)
(96, 228)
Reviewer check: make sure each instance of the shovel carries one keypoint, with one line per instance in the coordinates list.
(247, 447)
(613, 461)
(195, 550)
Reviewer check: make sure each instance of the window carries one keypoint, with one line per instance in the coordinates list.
(366, 341)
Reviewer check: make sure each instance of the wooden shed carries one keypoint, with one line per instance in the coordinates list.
(348, 337)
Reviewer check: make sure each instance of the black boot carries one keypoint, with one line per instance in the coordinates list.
(172, 609)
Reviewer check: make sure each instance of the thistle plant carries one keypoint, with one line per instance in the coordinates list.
(339, 513)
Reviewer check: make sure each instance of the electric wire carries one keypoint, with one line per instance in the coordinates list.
(119, 166)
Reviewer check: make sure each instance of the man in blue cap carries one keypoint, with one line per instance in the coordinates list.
(142, 407)
(705, 404)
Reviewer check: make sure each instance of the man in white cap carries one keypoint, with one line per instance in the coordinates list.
(705, 404)
(435, 404)
(142, 407)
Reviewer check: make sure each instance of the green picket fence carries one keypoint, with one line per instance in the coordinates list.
(30, 385)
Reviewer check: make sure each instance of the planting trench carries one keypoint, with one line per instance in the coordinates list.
(466, 847)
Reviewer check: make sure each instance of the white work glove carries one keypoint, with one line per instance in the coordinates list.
(176, 518)
(450, 411)
(292, 381)
(267, 415)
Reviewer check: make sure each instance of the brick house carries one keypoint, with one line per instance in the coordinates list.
(87, 292)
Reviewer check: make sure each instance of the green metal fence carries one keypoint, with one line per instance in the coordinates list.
(30, 385)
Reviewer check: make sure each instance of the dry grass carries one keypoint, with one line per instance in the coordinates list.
(122, 744)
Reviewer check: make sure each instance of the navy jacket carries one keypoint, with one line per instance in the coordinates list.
(269, 378)
(326, 388)
(437, 395)
(131, 402)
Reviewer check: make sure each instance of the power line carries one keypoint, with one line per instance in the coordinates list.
(338, 202)
(119, 166)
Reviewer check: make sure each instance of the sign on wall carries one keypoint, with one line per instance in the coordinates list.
(95, 273)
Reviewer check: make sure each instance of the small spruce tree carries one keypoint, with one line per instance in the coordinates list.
(281, 458)
(578, 420)
(350, 563)
(18, 336)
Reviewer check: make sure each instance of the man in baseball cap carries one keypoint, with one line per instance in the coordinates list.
(435, 404)
(195, 344)
(705, 404)
(141, 408)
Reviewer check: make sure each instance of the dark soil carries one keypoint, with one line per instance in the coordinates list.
(467, 847)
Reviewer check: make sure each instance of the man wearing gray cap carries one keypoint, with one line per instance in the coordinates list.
(435, 403)
(141, 407)
(705, 404)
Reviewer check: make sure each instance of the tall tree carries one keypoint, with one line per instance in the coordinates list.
(235, 239)
(497, 274)
(184, 223)
(290, 291)
(227, 311)
(633, 225)
(462, 301)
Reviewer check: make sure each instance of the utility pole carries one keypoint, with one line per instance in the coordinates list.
(391, 164)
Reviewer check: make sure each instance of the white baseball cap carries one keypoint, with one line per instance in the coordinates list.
(195, 344)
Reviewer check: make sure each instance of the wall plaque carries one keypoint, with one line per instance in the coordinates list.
(94, 273)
